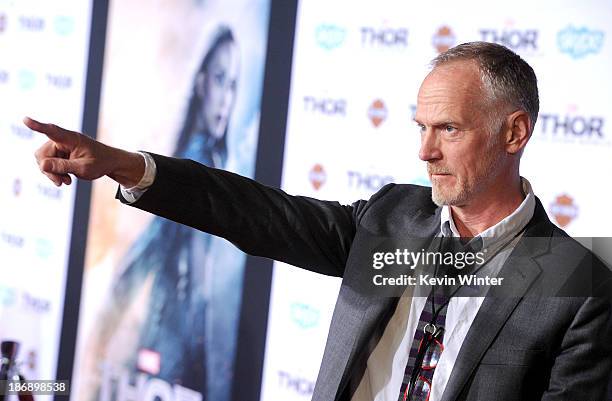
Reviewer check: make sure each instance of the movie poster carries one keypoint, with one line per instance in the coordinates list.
(161, 302)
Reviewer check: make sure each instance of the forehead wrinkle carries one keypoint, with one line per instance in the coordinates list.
(451, 92)
(436, 108)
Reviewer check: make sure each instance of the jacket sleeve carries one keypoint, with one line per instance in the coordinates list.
(261, 221)
(581, 370)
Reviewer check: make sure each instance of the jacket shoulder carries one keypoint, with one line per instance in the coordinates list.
(403, 196)
(398, 207)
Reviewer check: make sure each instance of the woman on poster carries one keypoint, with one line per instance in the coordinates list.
(174, 262)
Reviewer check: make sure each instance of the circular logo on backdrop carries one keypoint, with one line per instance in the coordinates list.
(304, 315)
(317, 176)
(330, 36)
(443, 39)
(377, 112)
(563, 209)
(64, 25)
(27, 79)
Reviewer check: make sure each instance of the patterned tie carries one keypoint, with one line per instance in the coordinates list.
(428, 337)
(425, 339)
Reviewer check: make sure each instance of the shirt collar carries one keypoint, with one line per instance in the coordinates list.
(509, 226)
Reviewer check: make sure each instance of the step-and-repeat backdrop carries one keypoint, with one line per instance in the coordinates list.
(357, 67)
(43, 63)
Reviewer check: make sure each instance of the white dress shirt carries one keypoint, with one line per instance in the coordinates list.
(387, 363)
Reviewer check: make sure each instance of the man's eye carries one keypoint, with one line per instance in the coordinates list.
(421, 127)
(450, 129)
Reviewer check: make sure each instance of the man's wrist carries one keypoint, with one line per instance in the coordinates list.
(129, 168)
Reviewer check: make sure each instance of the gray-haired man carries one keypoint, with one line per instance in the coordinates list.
(476, 111)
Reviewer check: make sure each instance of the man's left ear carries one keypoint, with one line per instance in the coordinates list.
(518, 131)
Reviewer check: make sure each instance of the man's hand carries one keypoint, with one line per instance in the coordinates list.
(69, 152)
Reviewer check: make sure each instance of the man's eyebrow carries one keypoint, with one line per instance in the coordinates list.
(438, 124)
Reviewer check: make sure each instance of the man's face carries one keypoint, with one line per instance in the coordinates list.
(463, 158)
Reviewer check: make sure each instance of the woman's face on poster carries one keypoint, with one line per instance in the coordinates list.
(218, 88)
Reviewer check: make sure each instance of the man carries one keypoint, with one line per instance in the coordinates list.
(476, 111)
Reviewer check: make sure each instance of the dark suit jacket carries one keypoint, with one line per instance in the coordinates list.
(519, 347)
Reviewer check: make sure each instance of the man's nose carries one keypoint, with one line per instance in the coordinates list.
(430, 149)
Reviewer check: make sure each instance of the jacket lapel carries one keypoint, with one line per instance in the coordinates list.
(359, 319)
(520, 270)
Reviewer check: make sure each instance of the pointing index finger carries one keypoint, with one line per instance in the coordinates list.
(52, 131)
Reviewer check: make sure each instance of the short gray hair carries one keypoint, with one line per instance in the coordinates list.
(507, 77)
